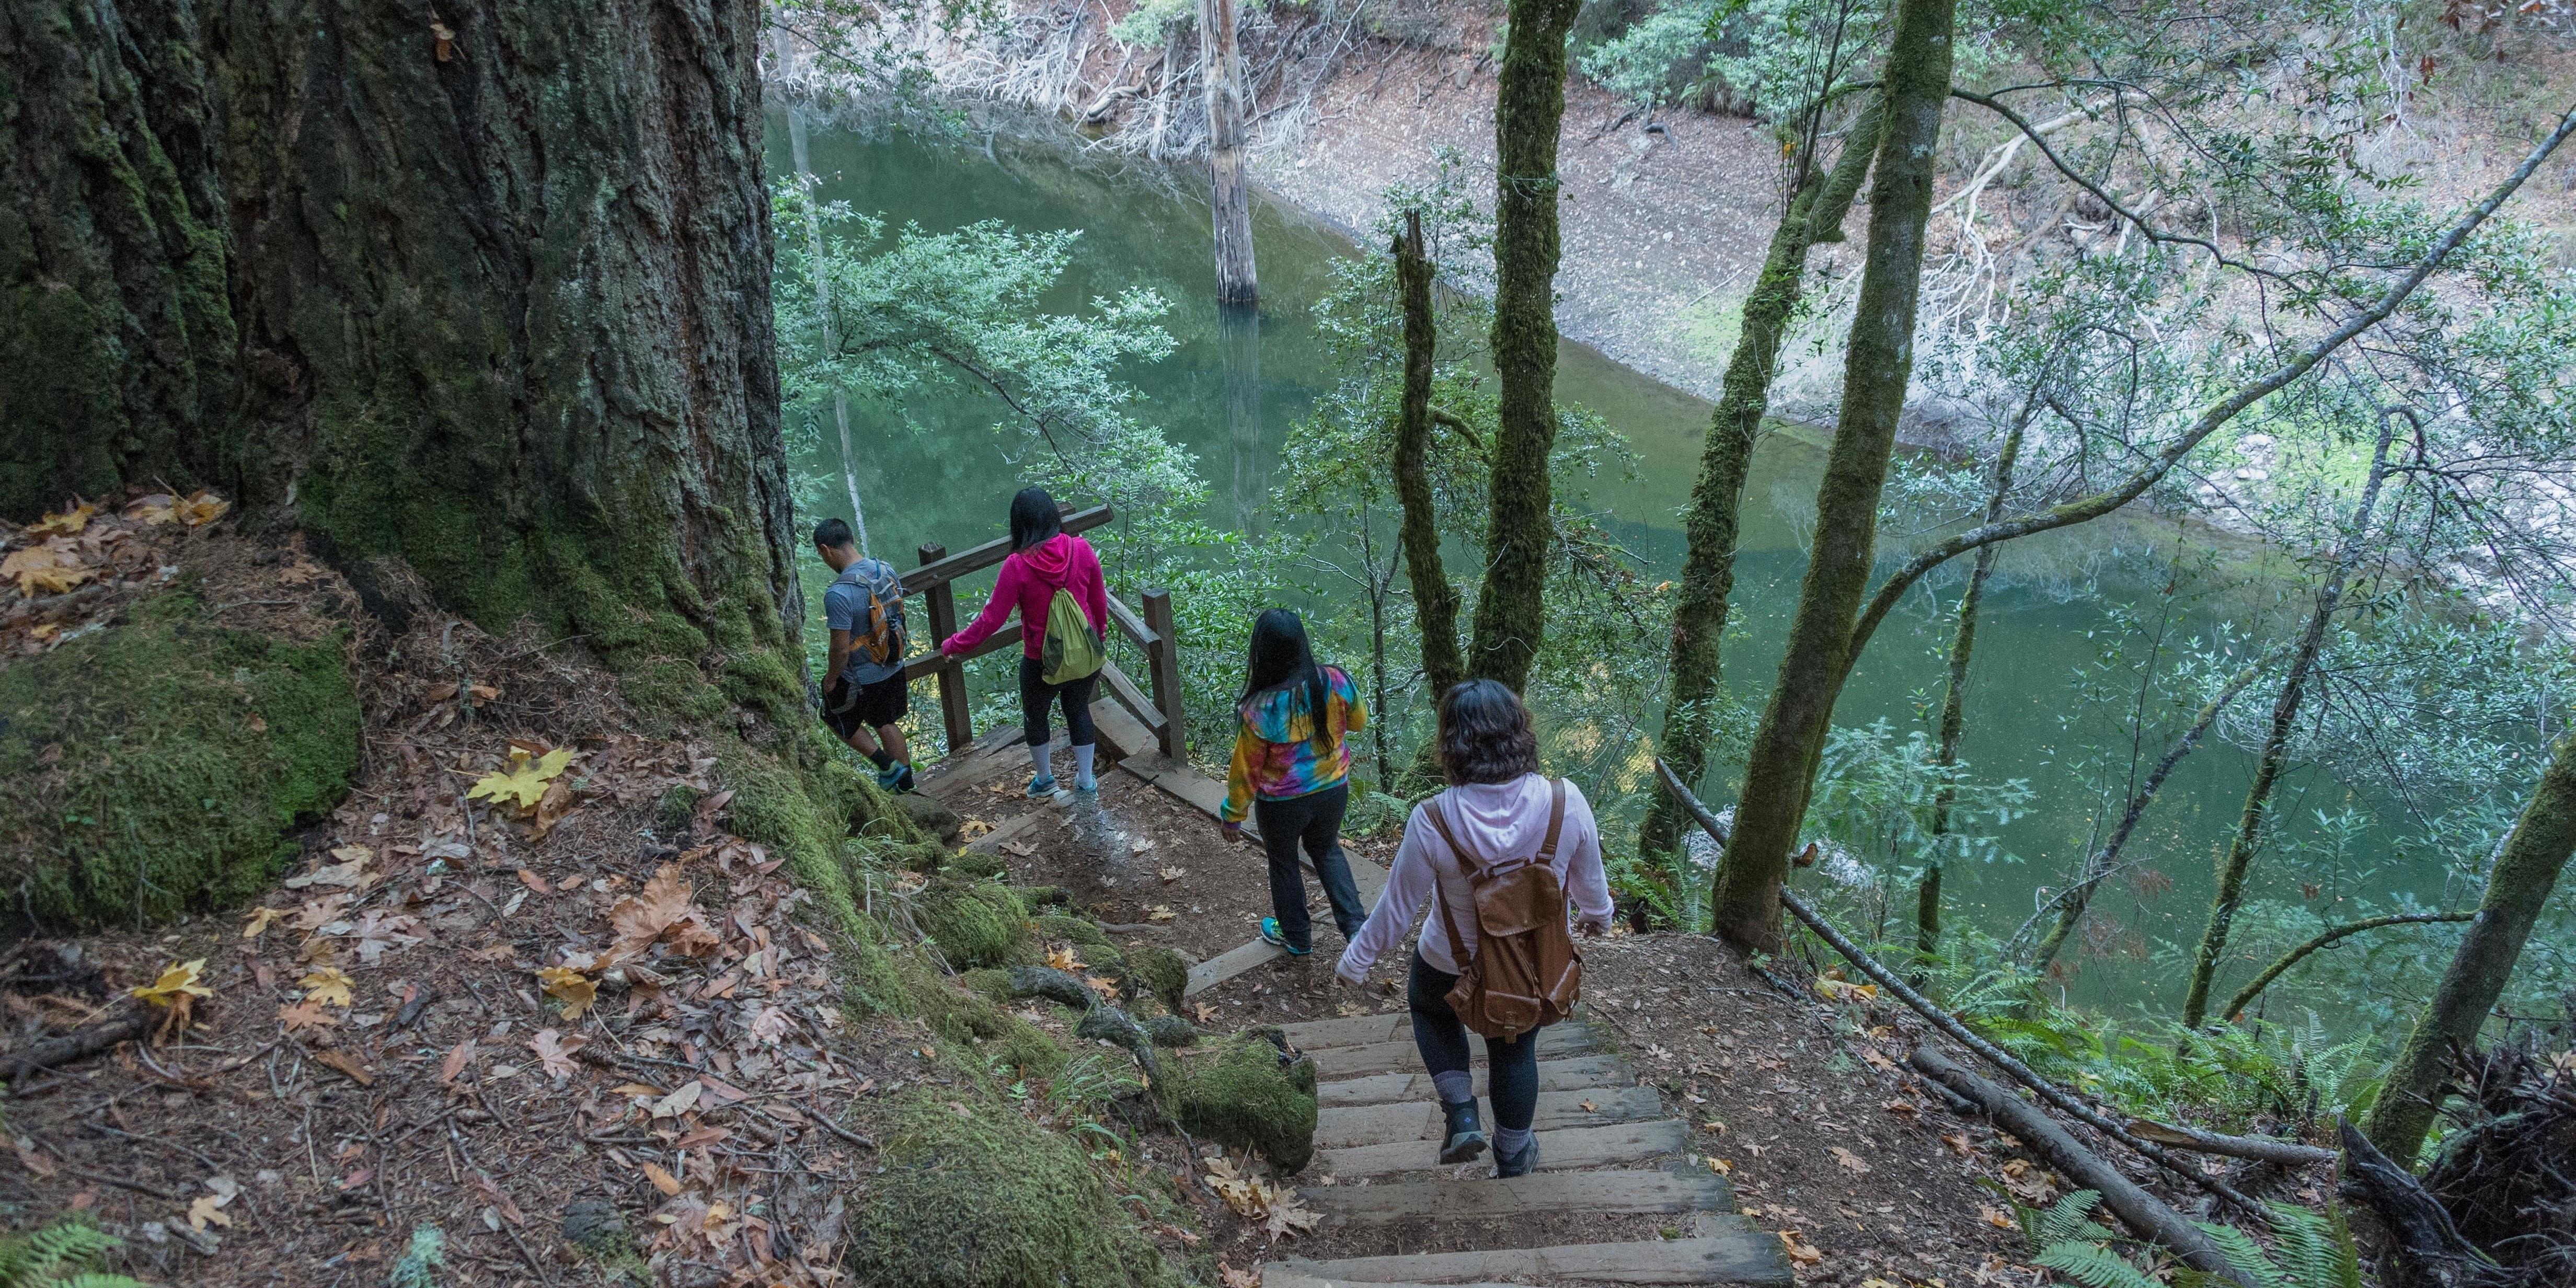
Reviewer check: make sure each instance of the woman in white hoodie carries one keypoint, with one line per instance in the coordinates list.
(1497, 806)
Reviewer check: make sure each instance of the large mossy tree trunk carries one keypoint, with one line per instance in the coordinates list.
(2238, 860)
(2518, 888)
(1878, 365)
(1435, 597)
(1529, 112)
(486, 300)
(1814, 214)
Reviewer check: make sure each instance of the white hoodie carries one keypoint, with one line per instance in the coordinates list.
(1494, 823)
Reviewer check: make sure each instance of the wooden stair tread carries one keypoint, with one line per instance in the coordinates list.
(1571, 1074)
(1386, 1057)
(1346, 1126)
(1742, 1256)
(1562, 1149)
(1675, 1189)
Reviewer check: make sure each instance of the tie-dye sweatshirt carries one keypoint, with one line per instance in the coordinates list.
(1275, 757)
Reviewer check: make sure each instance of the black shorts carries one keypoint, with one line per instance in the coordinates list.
(874, 706)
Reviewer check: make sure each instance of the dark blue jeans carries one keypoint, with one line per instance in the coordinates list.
(1512, 1067)
(1312, 822)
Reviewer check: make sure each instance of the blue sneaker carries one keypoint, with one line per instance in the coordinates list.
(1041, 786)
(1270, 934)
(896, 777)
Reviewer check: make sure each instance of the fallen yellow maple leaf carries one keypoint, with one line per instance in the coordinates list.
(202, 507)
(328, 985)
(177, 980)
(44, 571)
(63, 524)
(260, 920)
(524, 783)
(208, 1207)
(1160, 913)
(570, 987)
(1063, 958)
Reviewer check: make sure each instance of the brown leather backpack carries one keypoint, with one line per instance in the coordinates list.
(1525, 974)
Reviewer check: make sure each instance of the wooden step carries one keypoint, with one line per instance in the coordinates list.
(1343, 1127)
(1742, 1256)
(1563, 1149)
(1387, 1057)
(1674, 1189)
(1572, 1074)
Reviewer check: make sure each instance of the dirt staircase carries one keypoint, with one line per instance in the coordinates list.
(1617, 1198)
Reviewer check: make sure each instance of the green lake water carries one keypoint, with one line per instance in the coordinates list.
(950, 478)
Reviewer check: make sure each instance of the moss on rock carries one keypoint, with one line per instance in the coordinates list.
(156, 767)
(1160, 973)
(987, 1199)
(974, 923)
(1246, 1092)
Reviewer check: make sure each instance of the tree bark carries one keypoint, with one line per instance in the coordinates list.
(1878, 365)
(1954, 709)
(2535, 852)
(1435, 598)
(502, 313)
(2239, 859)
(1529, 114)
(1230, 185)
(2072, 902)
(1814, 212)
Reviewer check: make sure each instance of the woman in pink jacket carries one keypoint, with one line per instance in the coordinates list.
(1497, 807)
(1044, 558)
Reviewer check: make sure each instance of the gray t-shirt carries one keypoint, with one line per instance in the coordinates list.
(845, 608)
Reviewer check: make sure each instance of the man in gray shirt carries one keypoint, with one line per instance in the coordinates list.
(865, 696)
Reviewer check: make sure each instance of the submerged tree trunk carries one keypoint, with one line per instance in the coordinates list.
(1814, 214)
(1880, 362)
(1529, 113)
(1954, 708)
(2072, 902)
(1230, 187)
(1239, 326)
(2239, 858)
(2518, 887)
(492, 302)
(1435, 599)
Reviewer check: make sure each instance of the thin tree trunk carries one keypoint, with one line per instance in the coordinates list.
(1746, 906)
(1435, 599)
(1954, 707)
(1230, 187)
(1529, 114)
(2239, 858)
(797, 148)
(1240, 328)
(1815, 213)
(2072, 901)
(2517, 889)
(2280, 966)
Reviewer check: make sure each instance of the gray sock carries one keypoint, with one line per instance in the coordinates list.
(1042, 758)
(1455, 1085)
(1082, 768)
(1511, 1140)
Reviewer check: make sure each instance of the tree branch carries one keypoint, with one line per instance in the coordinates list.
(2245, 996)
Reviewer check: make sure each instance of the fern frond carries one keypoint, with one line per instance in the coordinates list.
(96, 1279)
(2093, 1266)
(2069, 1221)
(2246, 1257)
(2315, 1250)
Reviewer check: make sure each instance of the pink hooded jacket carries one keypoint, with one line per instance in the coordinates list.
(1028, 582)
(1495, 822)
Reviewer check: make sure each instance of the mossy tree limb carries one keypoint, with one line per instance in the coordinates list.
(2518, 887)
(1878, 364)
(2241, 847)
(1814, 213)
(1435, 597)
(1954, 694)
(1529, 114)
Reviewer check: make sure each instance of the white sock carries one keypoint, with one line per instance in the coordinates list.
(1042, 755)
(1082, 778)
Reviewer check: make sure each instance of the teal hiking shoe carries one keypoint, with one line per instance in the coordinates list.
(1041, 786)
(1270, 934)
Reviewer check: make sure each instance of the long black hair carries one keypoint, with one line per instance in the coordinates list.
(1485, 734)
(1033, 518)
(1281, 659)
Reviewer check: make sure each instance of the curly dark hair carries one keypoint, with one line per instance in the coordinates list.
(1485, 734)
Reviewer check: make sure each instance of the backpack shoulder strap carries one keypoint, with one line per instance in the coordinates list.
(1448, 921)
(1555, 820)
(1440, 824)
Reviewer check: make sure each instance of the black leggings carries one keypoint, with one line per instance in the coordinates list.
(1036, 693)
(1512, 1082)
(1313, 821)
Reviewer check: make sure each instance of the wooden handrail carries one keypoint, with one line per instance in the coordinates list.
(928, 664)
(1129, 622)
(1131, 697)
(948, 568)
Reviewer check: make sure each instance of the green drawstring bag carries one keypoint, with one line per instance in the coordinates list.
(1071, 652)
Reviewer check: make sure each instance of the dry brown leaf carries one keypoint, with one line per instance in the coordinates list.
(1998, 1218)
(328, 985)
(28, 1158)
(1063, 958)
(1019, 849)
(1160, 913)
(534, 882)
(1858, 1165)
(209, 1208)
(1958, 1142)
(1289, 1218)
(454, 1064)
(1722, 1166)
(554, 1054)
(662, 1179)
(348, 1064)
(202, 507)
(550, 810)
(306, 1014)
(260, 920)
(1172, 874)
(1904, 1107)
(1233, 1278)
(1800, 1251)
(663, 910)
(43, 570)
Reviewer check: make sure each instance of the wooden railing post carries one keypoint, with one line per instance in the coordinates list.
(1163, 669)
(941, 604)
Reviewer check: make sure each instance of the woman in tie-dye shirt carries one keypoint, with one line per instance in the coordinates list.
(1291, 772)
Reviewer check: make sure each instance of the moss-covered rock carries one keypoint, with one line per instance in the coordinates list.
(973, 923)
(1171, 1031)
(987, 1199)
(1043, 896)
(1245, 1091)
(982, 1023)
(1160, 973)
(156, 768)
(976, 865)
